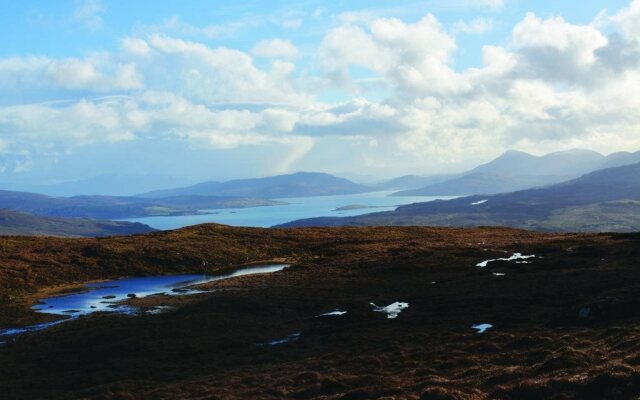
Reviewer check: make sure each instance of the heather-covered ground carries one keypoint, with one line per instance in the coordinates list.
(213, 345)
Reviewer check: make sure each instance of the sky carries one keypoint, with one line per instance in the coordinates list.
(203, 90)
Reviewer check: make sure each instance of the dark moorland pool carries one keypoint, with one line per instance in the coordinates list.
(107, 296)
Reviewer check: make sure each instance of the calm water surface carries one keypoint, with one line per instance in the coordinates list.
(106, 296)
(103, 296)
(297, 208)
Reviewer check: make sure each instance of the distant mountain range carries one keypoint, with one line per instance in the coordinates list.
(532, 197)
(19, 223)
(109, 185)
(413, 181)
(99, 185)
(114, 207)
(516, 170)
(302, 184)
(605, 200)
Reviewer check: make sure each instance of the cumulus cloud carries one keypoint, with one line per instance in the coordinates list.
(275, 48)
(578, 42)
(553, 84)
(628, 21)
(415, 57)
(97, 74)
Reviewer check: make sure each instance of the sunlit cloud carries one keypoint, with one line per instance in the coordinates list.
(549, 84)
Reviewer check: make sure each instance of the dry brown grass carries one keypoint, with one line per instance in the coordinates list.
(538, 349)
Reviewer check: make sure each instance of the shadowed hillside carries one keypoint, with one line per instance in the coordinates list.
(605, 200)
(515, 170)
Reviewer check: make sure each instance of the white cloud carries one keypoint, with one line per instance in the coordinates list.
(89, 13)
(415, 57)
(629, 21)
(578, 41)
(135, 46)
(217, 75)
(95, 75)
(275, 48)
(554, 84)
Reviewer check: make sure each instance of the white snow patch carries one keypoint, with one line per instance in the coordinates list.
(481, 327)
(392, 310)
(514, 257)
(477, 203)
(335, 313)
(291, 338)
(498, 274)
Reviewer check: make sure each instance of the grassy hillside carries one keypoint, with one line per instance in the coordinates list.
(542, 344)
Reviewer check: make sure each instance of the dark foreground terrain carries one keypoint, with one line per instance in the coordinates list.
(565, 326)
(19, 223)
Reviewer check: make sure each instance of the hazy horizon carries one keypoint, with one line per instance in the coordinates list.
(367, 91)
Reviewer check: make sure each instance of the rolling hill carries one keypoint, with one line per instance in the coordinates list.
(605, 200)
(302, 184)
(23, 224)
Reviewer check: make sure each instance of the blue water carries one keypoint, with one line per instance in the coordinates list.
(105, 296)
(297, 208)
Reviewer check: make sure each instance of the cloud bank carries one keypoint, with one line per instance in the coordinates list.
(552, 84)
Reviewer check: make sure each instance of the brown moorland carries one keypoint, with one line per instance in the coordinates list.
(214, 344)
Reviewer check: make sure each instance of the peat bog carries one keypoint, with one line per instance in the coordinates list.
(541, 343)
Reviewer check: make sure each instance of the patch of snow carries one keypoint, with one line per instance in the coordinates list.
(481, 327)
(392, 310)
(477, 203)
(293, 337)
(335, 313)
(514, 257)
(498, 274)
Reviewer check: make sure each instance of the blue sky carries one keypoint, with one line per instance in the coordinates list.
(200, 91)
